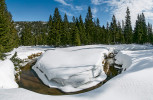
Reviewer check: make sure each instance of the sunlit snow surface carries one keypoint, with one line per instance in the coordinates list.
(72, 69)
(136, 83)
(7, 78)
(24, 51)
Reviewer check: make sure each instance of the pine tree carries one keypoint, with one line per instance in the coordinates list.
(89, 26)
(102, 35)
(57, 27)
(140, 31)
(73, 31)
(144, 27)
(114, 29)
(73, 19)
(128, 27)
(119, 36)
(65, 35)
(123, 38)
(83, 36)
(51, 37)
(150, 33)
(8, 34)
(77, 41)
(27, 38)
(136, 39)
(107, 35)
(98, 35)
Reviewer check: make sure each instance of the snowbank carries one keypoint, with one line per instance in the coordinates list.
(135, 83)
(24, 51)
(7, 79)
(124, 60)
(73, 69)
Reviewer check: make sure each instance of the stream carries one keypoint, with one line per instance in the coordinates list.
(29, 79)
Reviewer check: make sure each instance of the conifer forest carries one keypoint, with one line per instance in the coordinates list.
(60, 32)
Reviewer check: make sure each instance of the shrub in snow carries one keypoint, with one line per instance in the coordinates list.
(16, 60)
(2, 56)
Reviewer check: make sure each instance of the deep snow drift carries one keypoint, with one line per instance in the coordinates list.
(7, 78)
(72, 69)
(24, 51)
(135, 83)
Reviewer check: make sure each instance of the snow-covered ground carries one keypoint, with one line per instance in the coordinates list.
(135, 83)
(7, 78)
(24, 51)
(72, 69)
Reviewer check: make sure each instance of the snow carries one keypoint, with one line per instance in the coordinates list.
(124, 60)
(7, 79)
(135, 83)
(72, 69)
(24, 51)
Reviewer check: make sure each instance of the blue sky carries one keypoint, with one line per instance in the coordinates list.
(39, 10)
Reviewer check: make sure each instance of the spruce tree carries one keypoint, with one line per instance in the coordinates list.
(89, 26)
(77, 41)
(73, 31)
(128, 27)
(57, 27)
(73, 19)
(136, 39)
(107, 35)
(8, 34)
(102, 35)
(123, 38)
(51, 37)
(144, 27)
(27, 38)
(150, 34)
(119, 35)
(83, 36)
(140, 32)
(65, 35)
(114, 29)
(98, 35)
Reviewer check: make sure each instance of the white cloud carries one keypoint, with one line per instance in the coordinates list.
(63, 2)
(136, 7)
(64, 11)
(94, 11)
(78, 8)
(97, 2)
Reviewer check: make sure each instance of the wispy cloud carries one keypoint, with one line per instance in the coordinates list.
(94, 11)
(63, 2)
(97, 2)
(78, 8)
(118, 8)
(68, 13)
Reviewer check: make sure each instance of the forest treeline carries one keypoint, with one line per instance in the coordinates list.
(58, 31)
